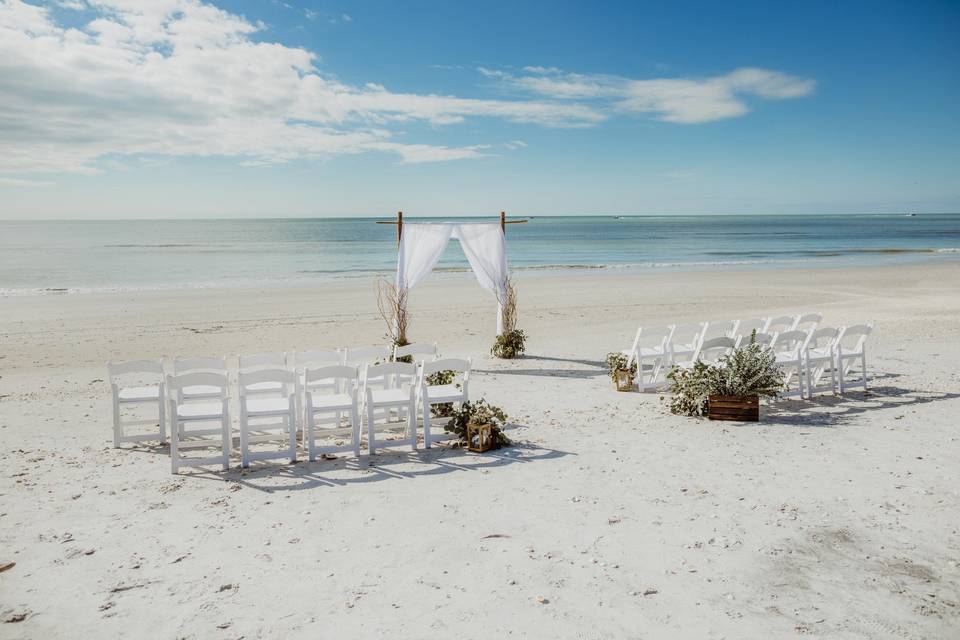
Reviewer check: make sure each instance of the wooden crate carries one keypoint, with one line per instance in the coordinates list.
(739, 408)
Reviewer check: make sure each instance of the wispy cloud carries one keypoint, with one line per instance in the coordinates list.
(185, 78)
(679, 100)
(22, 182)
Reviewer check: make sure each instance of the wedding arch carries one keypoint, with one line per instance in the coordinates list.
(420, 245)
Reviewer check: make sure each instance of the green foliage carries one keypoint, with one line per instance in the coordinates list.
(750, 370)
(477, 413)
(617, 361)
(446, 376)
(689, 389)
(509, 344)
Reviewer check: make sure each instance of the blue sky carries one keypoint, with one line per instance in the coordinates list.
(176, 108)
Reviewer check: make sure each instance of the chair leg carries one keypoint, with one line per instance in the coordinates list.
(411, 412)
(292, 434)
(174, 452)
(225, 440)
(355, 430)
(863, 370)
(117, 428)
(427, 442)
(162, 415)
(244, 445)
(309, 438)
(371, 441)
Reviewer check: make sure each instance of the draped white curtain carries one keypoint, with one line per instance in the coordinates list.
(421, 246)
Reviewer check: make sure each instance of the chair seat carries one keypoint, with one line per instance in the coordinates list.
(784, 358)
(331, 401)
(266, 405)
(200, 410)
(390, 396)
(268, 385)
(444, 393)
(819, 354)
(134, 394)
(200, 391)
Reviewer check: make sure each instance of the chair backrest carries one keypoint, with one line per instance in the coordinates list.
(652, 336)
(686, 334)
(711, 350)
(287, 378)
(343, 377)
(277, 360)
(808, 321)
(420, 351)
(781, 324)
(718, 329)
(459, 367)
(790, 342)
(210, 364)
(176, 382)
(748, 325)
(366, 355)
(852, 339)
(823, 339)
(317, 358)
(393, 374)
(765, 339)
(152, 367)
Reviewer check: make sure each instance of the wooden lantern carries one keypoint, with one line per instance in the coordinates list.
(623, 379)
(480, 437)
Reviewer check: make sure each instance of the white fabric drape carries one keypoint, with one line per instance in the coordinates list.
(421, 246)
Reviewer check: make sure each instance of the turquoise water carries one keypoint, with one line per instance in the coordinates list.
(55, 257)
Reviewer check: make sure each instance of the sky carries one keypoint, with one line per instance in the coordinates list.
(189, 109)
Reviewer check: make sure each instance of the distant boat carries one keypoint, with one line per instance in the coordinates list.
(911, 215)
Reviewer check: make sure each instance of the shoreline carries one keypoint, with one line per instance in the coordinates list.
(899, 258)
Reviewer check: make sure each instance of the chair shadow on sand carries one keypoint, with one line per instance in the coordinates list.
(599, 369)
(386, 464)
(834, 410)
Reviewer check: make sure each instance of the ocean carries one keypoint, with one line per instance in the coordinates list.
(51, 257)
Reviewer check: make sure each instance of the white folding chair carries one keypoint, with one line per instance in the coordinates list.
(710, 351)
(684, 341)
(819, 356)
(746, 327)
(718, 329)
(808, 321)
(764, 339)
(147, 390)
(649, 352)
(788, 348)
(260, 362)
(199, 365)
(265, 419)
(395, 395)
(325, 407)
(453, 392)
(212, 409)
(780, 324)
(851, 349)
(314, 359)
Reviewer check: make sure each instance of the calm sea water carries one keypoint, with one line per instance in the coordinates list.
(56, 257)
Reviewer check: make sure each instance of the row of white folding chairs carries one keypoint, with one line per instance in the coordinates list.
(147, 391)
(271, 394)
(656, 349)
(806, 355)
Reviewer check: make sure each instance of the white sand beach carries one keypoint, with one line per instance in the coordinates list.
(609, 518)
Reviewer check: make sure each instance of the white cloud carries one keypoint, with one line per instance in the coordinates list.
(679, 100)
(168, 78)
(21, 182)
